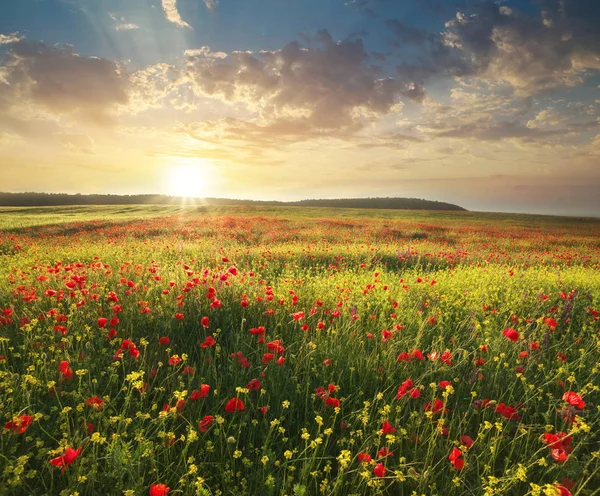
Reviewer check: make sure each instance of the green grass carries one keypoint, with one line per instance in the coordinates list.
(439, 282)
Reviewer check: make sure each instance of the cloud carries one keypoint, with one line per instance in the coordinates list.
(54, 79)
(126, 27)
(211, 4)
(531, 54)
(7, 39)
(331, 86)
(172, 14)
(77, 143)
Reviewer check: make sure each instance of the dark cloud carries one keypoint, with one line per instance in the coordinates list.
(331, 85)
(60, 81)
(532, 54)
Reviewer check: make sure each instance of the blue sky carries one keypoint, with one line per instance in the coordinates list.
(491, 105)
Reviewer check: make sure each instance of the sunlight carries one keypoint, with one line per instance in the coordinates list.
(190, 180)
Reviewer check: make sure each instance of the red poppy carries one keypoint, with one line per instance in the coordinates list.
(467, 441)
(455, 459)
(205, 322)
(511, 334)
(253, 385)
(267, 357)
(364, 457)
(332, 402)
(102, 322)
(209, 341)
(563, 491)
(383, 452)
(437, 407)
(234, 405)
(67, 458)
(573, 399)
(200, 393)
(204, 424)
(95, 402)
(174, 360)
(20, 424)
(159, 490)
(379, 470)
(507, 412)
(164, 341)
(387, 428)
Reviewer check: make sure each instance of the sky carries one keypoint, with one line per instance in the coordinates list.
(493, 106)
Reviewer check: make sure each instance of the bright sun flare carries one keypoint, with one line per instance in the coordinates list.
(187, 180)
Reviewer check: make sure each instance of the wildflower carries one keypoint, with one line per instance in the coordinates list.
(507, 412)
(204, 321)
(164, 341)
(234, 405)
(455, 459)
(159, 490)
(95, 402)
(253, 385)
(204, 424)
(20, 424)
(387, 428)
(379, 470)
(102, 321)
(67, 458)
(574, 399)
(383, 452)
(200, 393)
(332, 402)
(364, 457)
(208, 342)
(511, 334)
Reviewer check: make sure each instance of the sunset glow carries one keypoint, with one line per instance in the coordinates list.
(489, 105)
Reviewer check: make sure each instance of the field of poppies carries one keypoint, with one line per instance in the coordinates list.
(257, 351)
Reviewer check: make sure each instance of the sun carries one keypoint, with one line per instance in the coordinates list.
(187, 181)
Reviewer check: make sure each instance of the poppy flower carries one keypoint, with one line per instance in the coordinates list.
(332, 402)
(208, 342)
(511, 334)
(383, 452)
(437, 407)
(20, 424)
(563, 491)
(455, 459)
(95, 402)
(67, 458)
(159, 490)
(200, 393)
(574, 399)
(204, 424)
(466, 441)
(102, 322)
(387, 428)
(267, 357)
(364, 457)
(507, 412)
(164, 341)
(205, 322)
(253, 385)
(234, 405)
(379, 470)
(174, 360)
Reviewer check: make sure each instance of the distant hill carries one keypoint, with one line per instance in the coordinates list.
(60, 199)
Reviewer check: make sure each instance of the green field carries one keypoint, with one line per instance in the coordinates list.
(364, 345)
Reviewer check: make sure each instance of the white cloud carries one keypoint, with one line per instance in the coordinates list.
(211, 4)
(172, 14)
(127, 27)
(7, 39)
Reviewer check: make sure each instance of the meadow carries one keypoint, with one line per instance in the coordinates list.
(298, 351)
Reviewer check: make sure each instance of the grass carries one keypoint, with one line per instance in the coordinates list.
(341, 299)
